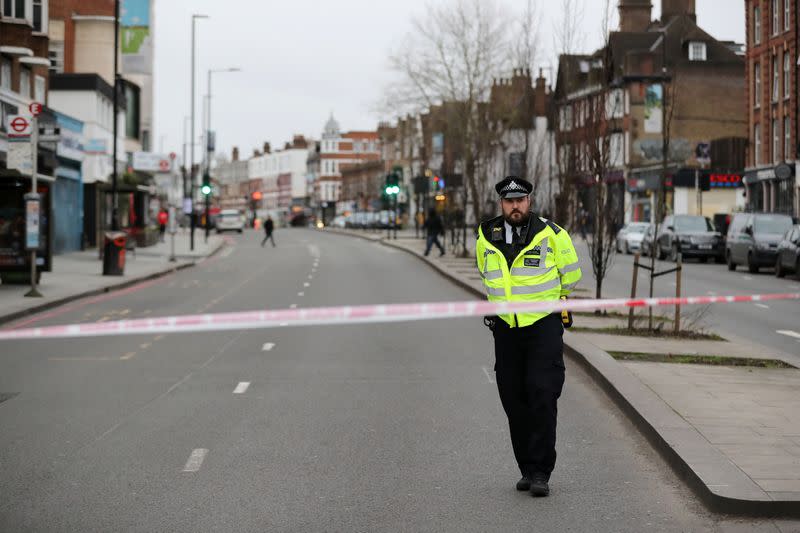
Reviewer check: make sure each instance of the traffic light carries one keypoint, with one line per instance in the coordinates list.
(206, 188)
(392, 184)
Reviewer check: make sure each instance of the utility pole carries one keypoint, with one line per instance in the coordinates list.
(208, 147)
(33, 205)
(191, 133)
(114, 203)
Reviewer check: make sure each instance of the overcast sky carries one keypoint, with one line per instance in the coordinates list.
(303, 59)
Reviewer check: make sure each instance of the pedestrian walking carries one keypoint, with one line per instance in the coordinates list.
(434, 227)
(522, 258)
(269, 227)
(163, 218)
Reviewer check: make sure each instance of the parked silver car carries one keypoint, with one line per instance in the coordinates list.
(629, 238)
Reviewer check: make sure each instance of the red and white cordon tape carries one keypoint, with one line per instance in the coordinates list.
(364, 314)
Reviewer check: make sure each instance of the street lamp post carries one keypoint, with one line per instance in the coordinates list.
(208, 150)
(191, 132)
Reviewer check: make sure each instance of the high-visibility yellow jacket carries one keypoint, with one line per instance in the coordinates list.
(545, 269)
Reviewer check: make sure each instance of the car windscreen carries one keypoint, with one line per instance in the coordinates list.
(230, 215)
(776, 225)
(692, 224)
(637, 228)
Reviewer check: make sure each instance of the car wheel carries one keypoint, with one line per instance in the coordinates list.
(239, 231)
(797, 268)
(616, 248)
(627, 248)
(729, 260)
(719, 259)
(703, 259)
(751, 266)
(661, 254)
(779, 271)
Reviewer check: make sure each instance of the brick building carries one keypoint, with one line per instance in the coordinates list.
(772, 180)
(650, 65)
(338, 149)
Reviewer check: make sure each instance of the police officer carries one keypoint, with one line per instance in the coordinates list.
(523, 258)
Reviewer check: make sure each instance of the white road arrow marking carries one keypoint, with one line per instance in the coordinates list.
(788, 333)
(241, 387)
(267, 346)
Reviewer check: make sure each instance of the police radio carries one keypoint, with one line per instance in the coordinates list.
(566, 316)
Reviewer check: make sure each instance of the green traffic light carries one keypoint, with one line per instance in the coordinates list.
(206, 189)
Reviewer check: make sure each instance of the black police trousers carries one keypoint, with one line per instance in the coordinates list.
(529, 365)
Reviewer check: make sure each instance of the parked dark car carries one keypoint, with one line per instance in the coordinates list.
(788, 259)
(690, 235)
(753, 239)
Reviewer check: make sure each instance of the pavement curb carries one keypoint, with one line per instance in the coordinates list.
(717, 481)
(45, 306)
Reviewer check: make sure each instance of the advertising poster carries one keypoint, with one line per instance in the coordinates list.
(136, 40)
(653, 101)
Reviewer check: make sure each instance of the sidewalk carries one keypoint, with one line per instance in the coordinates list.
(732, 433)
(79, 274)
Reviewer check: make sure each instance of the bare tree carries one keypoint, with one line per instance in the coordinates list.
(455, 51)
(567, 36)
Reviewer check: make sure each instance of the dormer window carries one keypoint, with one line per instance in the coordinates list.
(697, 51)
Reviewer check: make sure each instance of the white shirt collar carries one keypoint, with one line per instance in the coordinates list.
(509, 235)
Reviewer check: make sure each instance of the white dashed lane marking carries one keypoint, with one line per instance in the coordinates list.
(293, 306)
(306, 284)
(241, 387)
(195, 460)
(488, 374)
(762, 306)
(788, 333)
(301, 293)
(267, 346)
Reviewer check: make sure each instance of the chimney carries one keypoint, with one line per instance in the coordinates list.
(634, 15)
(266, 148)
(676, 8)
(540, 96)
(235, 154)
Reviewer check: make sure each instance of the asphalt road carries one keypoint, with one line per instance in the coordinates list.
(756, 322)
(370, 428)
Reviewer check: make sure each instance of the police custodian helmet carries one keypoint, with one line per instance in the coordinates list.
(513, 187)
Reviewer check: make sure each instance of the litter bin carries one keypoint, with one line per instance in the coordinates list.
(114, 253)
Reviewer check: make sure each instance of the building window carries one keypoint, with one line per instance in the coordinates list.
(697, 51)
(14, 9)
(39, 16)
(757, 84)
(787, 12)
(787, 138)
(757, 25)
(38, 88)
(787, 74)
(776, 79)
(757, 144)
(56, 54)
(5, 74)
(776, 17)
(25, 82)
(776, 142)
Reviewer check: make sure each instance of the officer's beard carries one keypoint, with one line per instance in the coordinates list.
(517, 218)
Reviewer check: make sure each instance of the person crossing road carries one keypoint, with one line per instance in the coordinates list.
(522, 257)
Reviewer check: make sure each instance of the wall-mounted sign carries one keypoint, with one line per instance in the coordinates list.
(150, 162)
(724, 180)
(32, 229)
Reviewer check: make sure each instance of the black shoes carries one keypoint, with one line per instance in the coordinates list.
(524, 483)
(538, 485)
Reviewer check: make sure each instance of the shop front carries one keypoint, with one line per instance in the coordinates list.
(772, 190)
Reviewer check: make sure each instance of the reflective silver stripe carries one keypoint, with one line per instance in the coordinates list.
(529, 271)
(491, 291)
(492, 274)
(534, 289)
(572, 267)
(569, 287)
(543, 250)
(486, 253)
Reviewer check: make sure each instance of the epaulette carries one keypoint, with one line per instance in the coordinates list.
(556, 229)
